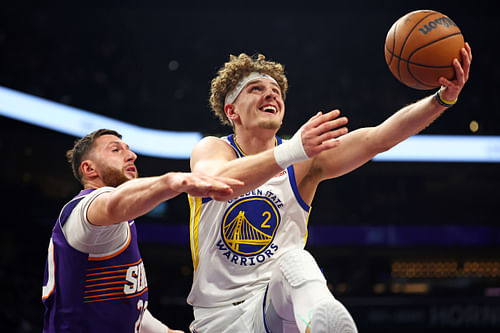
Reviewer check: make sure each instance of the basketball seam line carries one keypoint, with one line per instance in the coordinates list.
(421, 47)
(406, 39)
(434, 41)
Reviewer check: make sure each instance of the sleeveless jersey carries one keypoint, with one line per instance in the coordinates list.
(83, 293)
(235, 244)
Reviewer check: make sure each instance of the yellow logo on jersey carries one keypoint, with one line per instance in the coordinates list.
(249, 225)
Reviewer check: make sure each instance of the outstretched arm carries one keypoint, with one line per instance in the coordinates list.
(215, 157)
(359, 146)
(415, 117)
(138, 196)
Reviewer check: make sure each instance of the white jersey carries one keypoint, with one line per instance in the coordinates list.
(235, 244)
(97, 241)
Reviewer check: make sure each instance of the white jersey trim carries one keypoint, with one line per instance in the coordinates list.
(97, 241)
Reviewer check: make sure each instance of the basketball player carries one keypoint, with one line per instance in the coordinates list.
(94, 277)
(251, 272)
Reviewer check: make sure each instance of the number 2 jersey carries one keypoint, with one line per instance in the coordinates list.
(102, 286)
(235, 243)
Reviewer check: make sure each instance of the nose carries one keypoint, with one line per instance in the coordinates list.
(131, 156)
(271, 93)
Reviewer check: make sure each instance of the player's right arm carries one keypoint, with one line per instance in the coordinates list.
(215, 157)
(138, 196)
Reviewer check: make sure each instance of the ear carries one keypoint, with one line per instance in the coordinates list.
(230, 112)
(88, 169)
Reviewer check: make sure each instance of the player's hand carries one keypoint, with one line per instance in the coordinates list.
(451, 89)
(199, 185)
(321, 131)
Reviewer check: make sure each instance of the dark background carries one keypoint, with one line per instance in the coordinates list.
(152, 66)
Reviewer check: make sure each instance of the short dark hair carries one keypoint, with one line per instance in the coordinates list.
(81, 148)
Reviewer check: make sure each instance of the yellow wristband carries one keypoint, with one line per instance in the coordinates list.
(444, 102)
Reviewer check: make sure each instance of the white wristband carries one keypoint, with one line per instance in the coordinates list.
(290, 152)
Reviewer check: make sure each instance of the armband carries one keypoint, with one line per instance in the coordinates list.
(444, 102)
(290, 152)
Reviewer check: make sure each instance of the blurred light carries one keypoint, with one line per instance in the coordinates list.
(341, 288)
(492, 292)
(173, 65)
(410, 288)
(77, 122)
(445, 269)
(474, 126)
(172, 144)
(379, 288)
(396, 288)
(444, 148)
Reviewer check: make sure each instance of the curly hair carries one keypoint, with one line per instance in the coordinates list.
(236, 69)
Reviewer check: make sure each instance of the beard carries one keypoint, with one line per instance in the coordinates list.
(114, 177)
(270, 124)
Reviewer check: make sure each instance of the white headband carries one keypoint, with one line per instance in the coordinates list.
(233, 94)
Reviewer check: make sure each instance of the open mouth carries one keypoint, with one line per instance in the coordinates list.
(131, 169)
(269, 109)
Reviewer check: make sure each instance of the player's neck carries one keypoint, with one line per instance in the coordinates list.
(93, 183)
(254, 144)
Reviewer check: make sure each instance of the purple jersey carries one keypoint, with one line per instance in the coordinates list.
(88, 294)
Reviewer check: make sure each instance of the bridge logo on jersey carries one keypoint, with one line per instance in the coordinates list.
(249, 225)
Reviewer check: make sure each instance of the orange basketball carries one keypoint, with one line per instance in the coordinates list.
(420, 48)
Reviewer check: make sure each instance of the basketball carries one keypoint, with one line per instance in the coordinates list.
(420, 48)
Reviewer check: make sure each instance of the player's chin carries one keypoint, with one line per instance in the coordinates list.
(131, 175)
(270, 124)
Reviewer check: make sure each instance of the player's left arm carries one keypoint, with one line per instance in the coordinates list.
(415, 117)
(359, 146)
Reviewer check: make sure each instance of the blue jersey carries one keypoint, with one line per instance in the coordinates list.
(83, 293)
